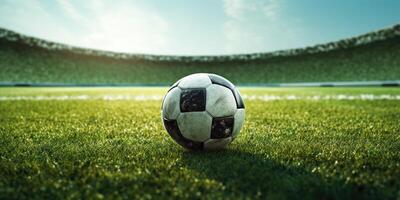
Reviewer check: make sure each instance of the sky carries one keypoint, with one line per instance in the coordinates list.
(196, 27)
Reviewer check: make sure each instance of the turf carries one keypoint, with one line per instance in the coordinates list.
(290, 149)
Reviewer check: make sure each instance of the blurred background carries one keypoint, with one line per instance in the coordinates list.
(137, 42)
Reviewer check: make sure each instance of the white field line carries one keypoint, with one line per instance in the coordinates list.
(159, 97)
(83, 97)
(323, 97)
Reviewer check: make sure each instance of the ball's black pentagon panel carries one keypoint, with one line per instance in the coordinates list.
(215, 79)
(222, 127)
(193, 100)
(175, 133)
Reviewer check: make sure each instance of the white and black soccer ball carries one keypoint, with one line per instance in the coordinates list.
(203, 111)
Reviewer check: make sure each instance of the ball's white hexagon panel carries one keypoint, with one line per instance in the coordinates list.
(217, 143)
(195, 126)
(171, 103)
(199, 80)
(238, 123)
(220, 101)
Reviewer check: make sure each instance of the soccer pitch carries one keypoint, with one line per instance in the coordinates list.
(296, 143)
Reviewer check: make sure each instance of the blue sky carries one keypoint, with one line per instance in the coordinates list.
(194, 27)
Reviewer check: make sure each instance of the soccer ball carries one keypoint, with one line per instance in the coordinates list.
(203, 111)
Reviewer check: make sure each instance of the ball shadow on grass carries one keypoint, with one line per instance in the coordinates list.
(255, 175)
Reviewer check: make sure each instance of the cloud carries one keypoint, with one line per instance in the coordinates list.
(123, 26)
(69, 9)
(257, 26)
(239, 9)
(133, 26)
(32, 18)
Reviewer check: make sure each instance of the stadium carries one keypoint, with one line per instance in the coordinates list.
(322, 121)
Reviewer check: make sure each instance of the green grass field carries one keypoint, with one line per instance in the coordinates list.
(110, 142)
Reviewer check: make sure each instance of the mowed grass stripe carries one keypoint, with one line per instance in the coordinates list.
(287, 149)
